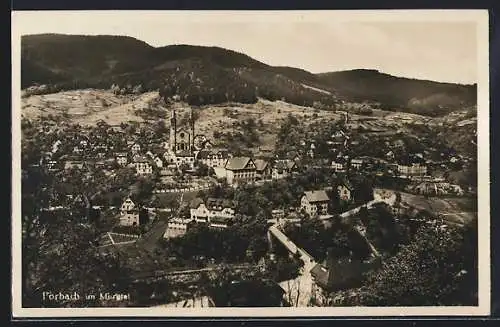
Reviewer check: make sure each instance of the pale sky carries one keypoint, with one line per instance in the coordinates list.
(418, 44)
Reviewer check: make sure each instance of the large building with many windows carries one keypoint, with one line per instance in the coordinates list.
(240, 170)
(315, 202)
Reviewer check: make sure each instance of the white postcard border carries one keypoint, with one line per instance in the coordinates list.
(479, 16)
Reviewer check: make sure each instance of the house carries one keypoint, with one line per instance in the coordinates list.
(341, 273)
(283, 168)
(73, 164)
(199, 211)
(133, 214)
(219, 222)
(129, 213)
(216, 211)
(356, 163)
(338, 166)
(315, 202)
(52, 165)
(262, 169)
(177, 227)
(77, 150)
(278, 214)
(121, 159)
(213, 157)
(344, 190)
(184, 158)
(158, 162)
(127, 205)
(240, 170)
(414, 169)
(81, 206)
(100, 164)
(130, 218)
(142, 166)
(135, 148)
(169, 159)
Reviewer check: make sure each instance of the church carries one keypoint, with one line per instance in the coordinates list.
(182, 147)
(181, 139)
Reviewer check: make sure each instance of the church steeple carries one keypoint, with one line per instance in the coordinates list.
(191, 118)
(173, 131)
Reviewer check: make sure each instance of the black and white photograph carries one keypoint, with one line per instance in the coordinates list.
(267, 163)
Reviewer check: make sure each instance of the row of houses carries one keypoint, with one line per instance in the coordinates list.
(409, 170)
(215, 213)
(220, 213)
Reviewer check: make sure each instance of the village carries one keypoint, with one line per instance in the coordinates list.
(159, 185)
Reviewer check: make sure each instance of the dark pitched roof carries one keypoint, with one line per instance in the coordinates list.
(316, 196)
(132, 197)
(216, 203)
(221, 220)
(280, 165)
(345, 182)
(203, 154)
(209, 153)
(320, 275)
(141, 159)
(195, 203)
(184, 154)
(290, 164)
(285, 164)
(261, 164)
(238, 163)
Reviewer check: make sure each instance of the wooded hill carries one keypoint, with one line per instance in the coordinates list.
(208, 75)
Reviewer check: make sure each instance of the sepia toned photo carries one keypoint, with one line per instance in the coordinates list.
(315, 163)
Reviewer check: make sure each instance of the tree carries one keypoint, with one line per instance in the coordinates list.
(203, 169)
(438, 268)
(59, 252)
(143, 189)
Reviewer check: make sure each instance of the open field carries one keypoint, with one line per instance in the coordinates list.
(455, 210)
(87, 106)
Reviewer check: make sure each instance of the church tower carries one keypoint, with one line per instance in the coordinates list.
(192, 130)
(173, 131)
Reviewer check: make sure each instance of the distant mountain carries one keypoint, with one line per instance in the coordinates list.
(203, 75)
(405, 94)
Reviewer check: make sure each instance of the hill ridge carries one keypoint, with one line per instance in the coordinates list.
(212, 74)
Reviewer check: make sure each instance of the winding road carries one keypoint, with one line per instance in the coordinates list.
(299, 290)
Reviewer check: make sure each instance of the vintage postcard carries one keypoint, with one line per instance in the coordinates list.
(260, 163)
